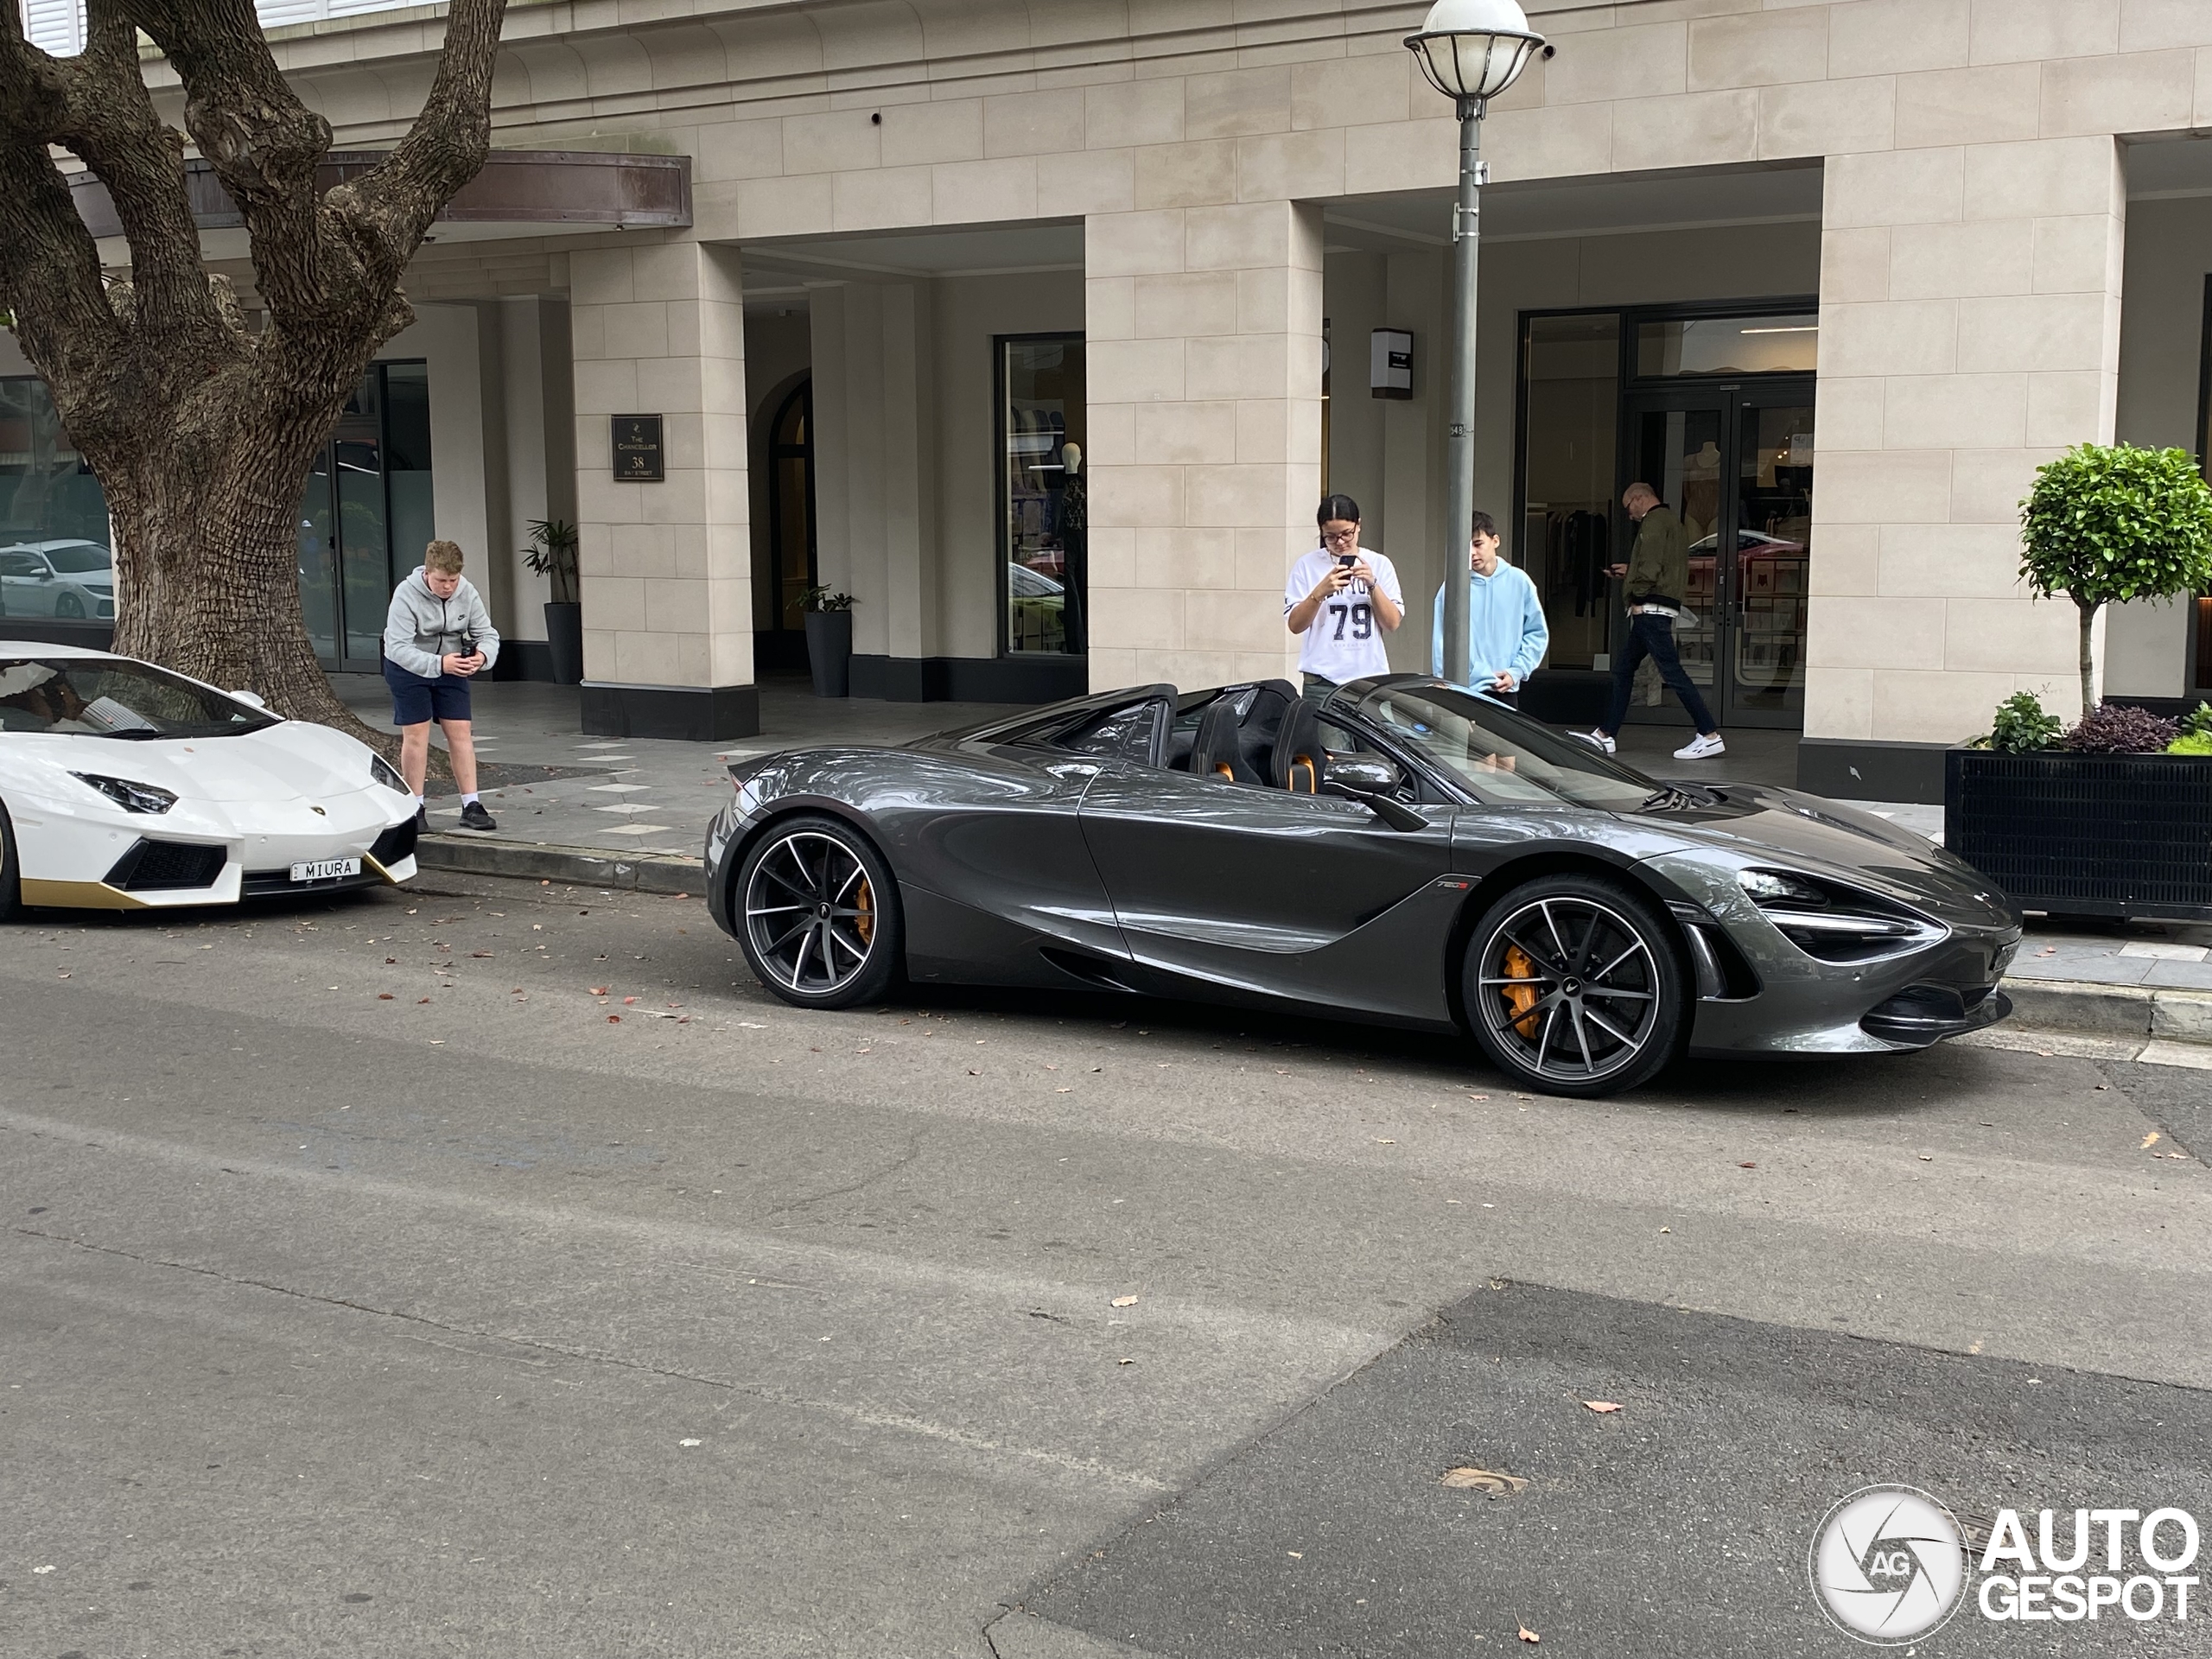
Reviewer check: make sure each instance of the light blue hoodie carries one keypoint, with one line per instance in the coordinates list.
(1506, 632)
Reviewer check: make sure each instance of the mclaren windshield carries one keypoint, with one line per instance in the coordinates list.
(1503, 758)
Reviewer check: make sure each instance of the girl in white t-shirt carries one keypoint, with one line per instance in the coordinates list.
(1343, 599)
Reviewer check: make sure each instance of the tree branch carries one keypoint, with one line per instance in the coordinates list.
(49, 266)
(263, 142)
(113, 126)
(444, 148)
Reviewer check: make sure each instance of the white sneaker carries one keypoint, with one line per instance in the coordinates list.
(1596, 740)
(1701, 748)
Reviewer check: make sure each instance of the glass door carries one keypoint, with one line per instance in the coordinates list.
(1736, 465)
(365, 515)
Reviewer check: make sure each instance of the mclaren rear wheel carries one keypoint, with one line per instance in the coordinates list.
(818, 914)
(1572, 984)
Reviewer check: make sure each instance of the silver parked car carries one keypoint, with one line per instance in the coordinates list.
(71, 578)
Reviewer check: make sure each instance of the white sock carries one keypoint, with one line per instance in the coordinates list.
(418, 800)
(468, 800)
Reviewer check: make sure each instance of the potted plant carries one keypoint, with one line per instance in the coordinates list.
(552, 553)
(830, 641)
(2110, 818)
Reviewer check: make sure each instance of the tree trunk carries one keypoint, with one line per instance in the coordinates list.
(205, 506)
(2089, 698)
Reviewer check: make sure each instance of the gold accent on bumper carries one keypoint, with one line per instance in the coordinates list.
(80, 895)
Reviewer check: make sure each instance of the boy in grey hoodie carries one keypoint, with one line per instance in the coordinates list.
(437, 635)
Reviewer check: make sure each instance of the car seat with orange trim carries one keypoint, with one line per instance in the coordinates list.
(1215, 752)
(1299, 760)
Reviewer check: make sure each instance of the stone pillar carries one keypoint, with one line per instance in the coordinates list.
(875, 477)
(1203, 326)
(1969, 331)
(667, 567)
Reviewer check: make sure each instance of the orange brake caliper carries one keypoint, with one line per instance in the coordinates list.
(1522, 999)
(864, 924)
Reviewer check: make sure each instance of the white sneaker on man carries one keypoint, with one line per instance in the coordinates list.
(1701, 748)
(1596, 740)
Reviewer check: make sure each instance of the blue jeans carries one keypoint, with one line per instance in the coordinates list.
(1652, 635)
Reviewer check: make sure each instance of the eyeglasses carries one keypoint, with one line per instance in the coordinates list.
(1340, 538)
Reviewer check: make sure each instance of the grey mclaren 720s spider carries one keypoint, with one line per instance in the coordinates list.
(1406, 852)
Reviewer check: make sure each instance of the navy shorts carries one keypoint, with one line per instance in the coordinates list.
(415, 701)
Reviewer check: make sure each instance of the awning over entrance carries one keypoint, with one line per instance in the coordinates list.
(524, 192)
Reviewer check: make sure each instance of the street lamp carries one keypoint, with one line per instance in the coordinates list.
(1471, 50)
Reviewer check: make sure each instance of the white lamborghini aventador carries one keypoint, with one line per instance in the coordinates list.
(124, 786)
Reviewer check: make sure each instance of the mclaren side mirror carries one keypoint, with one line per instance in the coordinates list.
(1374, 783)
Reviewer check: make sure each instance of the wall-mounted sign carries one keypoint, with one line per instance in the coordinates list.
(1390, 363)
(637, 449)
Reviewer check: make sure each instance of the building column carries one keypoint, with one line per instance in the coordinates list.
(667, 567)
(1970, 332)
(1203, 329)
(875, 476)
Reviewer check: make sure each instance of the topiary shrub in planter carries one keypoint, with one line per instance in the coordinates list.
(2111, 819)
(2104, 821)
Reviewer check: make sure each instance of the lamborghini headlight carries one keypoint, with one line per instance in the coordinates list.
(131, 797)
(383, 771)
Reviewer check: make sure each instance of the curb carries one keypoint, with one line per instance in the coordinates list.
(2170, 1012)
(585, 867)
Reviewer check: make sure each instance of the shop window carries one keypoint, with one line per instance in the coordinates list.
(1571, 384)
(1677, 346)
(54, 556)
(1042, 481)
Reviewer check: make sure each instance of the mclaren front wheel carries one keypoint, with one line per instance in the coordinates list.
(1572, 984)
(817, 914)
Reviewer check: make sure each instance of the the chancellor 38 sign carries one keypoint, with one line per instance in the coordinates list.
(637, 455)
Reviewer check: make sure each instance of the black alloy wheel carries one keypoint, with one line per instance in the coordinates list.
(818, 915)
(69, 607)
(1574, 983)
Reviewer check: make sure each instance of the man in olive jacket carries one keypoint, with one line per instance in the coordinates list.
(1658, 582)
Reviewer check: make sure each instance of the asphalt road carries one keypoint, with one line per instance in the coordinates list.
(378, 1278)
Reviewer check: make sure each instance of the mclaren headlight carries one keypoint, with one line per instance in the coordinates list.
(131, 797)
(1833, 922)
(383, 773)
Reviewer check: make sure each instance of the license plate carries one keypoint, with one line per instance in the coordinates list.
(326, 869)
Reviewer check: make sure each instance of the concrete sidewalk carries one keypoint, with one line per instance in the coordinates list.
(631, 812)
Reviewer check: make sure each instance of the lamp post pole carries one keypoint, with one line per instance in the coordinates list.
(1460, 432)
(1470, 51)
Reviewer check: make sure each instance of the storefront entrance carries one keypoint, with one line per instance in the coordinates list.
(367, 515)
(1713, 407)
(1737, 464)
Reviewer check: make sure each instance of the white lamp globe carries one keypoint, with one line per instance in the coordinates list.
(1474, 48)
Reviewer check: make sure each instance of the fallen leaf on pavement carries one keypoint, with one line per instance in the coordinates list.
(1747, 1166)
(1125, 1361)
(598, 991)
(2149, 1141)
(392, 961)
(613, 1019)
(384, 996)
(1601, 1406)
(419, 1001)
(627, 1001)
(1125, 1301)
(1528, 1634)
(1384, 1141)
(1483, 1480)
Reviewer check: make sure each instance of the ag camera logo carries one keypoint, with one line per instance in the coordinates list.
(1889, 1565)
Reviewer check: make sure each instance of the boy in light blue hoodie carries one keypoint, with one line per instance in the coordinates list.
(1506, 632)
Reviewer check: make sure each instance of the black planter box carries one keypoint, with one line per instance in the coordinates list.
(2086, 835)
(830, 652)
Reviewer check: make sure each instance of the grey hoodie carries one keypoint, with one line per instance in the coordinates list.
(421, 628)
